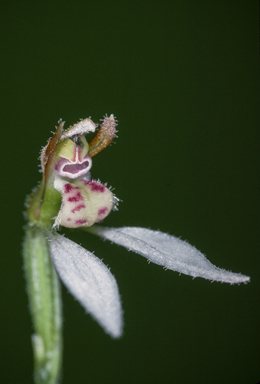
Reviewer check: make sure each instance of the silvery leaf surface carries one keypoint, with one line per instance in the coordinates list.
(89, 280)
(168, 251)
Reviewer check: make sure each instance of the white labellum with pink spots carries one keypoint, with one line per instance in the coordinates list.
(83, 203)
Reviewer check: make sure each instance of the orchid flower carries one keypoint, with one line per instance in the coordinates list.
(68, 197)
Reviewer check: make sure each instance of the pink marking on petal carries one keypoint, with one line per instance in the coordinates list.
(78, 208)
(68, 219)
(68, 188)
(95, 187)
(81, 222)
(76, 198)
(102, 211)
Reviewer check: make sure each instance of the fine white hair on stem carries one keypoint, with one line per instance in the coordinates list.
(89, 281)
(168, 251)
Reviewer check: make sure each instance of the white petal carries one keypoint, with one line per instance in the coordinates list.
(169, 251)
(89, 281)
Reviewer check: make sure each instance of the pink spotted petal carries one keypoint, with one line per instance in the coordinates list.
(83, 203)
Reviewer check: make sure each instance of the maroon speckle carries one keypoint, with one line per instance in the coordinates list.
(102, 211)
(76, 198)
(96, 187)
(68, 188)
(68, 219)
(78, 208)
(81, 222)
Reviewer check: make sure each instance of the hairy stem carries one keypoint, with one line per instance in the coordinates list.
(43, 289)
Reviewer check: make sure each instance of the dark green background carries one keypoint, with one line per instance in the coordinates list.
(182, 79)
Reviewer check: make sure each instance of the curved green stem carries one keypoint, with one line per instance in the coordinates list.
(43, 289)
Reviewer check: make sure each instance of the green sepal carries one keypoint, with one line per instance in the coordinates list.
(43, 289)
(44, 204)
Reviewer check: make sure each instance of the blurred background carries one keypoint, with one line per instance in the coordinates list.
(182, 79)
